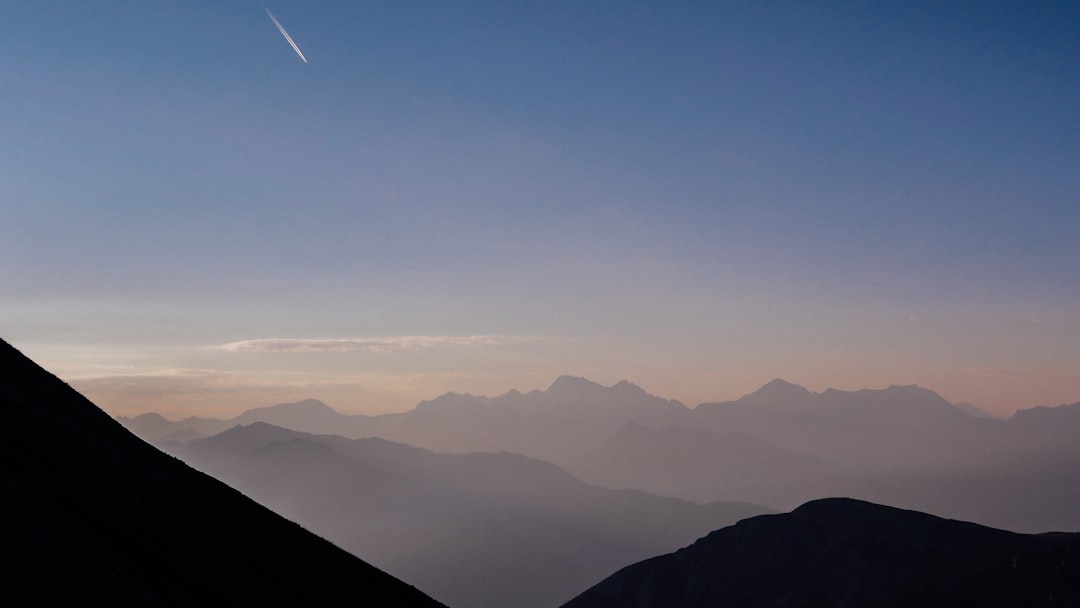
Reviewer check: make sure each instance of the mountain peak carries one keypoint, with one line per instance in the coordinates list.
(913, 395)
(778, 390)
(307, 408)
(625, 386)
(308, 415)
(312, 405)
(573, 383)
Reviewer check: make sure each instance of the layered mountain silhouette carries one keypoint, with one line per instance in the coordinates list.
(783, 445)
(779, 446)
(90, 514)
(848, 553)
(903, 445)
(557, 425)
(479, 530)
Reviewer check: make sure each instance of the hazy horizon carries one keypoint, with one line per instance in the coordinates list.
(479, 197)
(215, 410)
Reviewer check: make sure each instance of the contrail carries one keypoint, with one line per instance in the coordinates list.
(286, 34)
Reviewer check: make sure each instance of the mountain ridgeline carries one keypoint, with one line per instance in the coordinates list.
(779, 446)
(91, 515)
(843, 553)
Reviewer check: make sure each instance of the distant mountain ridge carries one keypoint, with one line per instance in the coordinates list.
(312, 415)
(846, 553)
(566, 396)
(780, 446)
(778, 391)
(569, 415)
(91, 515)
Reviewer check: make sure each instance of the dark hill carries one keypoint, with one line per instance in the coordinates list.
(841, 552)
(89, 514)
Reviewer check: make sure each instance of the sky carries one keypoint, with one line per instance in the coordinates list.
(475, 197)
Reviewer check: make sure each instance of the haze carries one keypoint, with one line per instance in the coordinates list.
(477, 197)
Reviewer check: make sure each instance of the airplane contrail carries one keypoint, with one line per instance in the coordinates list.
(286, 34)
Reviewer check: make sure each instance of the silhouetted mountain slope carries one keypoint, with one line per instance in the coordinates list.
(847, 553)
(1059, 419)
(479, 530)
(91, 515)
(778, 391)
(974, 410)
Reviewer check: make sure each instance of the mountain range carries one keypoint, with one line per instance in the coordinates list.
(779, 446)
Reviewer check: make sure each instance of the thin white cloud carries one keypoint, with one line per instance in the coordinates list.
(160, 382)
(372, 345)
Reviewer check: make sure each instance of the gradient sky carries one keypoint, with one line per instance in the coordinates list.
(479, 196)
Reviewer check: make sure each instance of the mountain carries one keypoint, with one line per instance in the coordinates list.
(834, 419)
(974, 410)
(558, 424)
(309, 413)
(779, 446)
(778, 391)
(155, 428)
(843, 552)
(90, 514)
(483, 530)
(782, 446)
(1042, 419)
(566, 422)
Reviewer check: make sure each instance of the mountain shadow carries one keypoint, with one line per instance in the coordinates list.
(846, 553)
(92, 515)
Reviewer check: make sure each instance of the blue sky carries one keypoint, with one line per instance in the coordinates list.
(697, 197)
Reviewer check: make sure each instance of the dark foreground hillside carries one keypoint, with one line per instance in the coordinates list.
(843, 552)
(89, 514)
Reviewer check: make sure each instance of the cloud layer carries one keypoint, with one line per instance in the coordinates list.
(373, 345)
